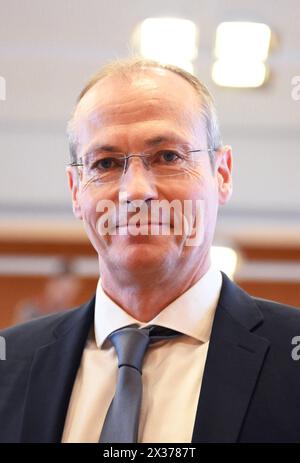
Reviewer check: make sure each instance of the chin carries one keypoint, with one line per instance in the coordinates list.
(141, 256)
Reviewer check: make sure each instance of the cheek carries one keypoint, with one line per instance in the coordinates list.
(197, 194)
(96, 203)
(88, 202)
(203, 192)
(90, 218)
(196, 185)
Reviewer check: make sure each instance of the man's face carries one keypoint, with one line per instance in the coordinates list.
(124, 114)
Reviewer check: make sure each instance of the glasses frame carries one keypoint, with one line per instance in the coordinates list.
(127, 156)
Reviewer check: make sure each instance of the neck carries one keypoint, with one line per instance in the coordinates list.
(145, 297)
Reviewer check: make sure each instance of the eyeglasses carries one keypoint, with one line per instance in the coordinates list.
(103, 168)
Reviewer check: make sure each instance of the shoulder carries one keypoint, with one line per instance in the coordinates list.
(278, 313)
(252, 312)
(281, 323)
(23, 339)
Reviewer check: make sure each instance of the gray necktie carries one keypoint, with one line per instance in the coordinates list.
(122, 419)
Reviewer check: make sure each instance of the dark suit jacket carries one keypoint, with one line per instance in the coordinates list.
(250, 390)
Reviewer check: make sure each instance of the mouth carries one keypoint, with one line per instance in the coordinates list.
(155, 224)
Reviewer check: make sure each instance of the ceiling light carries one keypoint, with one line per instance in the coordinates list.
(241, 49)
(168, 40)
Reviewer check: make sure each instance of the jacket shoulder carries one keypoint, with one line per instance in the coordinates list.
(278, 311)
(23, 339)
(281, 322)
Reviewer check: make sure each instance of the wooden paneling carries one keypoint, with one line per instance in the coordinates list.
(270, 253)
(17, 289)
(280, 291)
(63, 249)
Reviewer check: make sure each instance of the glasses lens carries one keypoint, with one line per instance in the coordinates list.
(104, 168)
(170, 162)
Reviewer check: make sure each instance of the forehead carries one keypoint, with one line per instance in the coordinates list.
(152, 99)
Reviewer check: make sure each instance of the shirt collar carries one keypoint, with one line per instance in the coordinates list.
(192, 313)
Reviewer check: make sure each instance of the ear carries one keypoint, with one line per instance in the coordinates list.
(224, 173)
(73, 181)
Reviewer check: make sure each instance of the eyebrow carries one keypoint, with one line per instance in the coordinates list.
(168, 138)
(150, 142)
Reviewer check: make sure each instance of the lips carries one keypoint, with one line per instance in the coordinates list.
(143, 224)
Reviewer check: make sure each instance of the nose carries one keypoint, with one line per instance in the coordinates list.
(138, 181)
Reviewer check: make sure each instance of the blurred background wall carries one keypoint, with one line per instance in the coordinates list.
(48, 50)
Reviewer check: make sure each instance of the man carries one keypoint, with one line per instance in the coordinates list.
(143, 133)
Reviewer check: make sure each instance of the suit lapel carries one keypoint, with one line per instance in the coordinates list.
(234, 360)
(52, 375)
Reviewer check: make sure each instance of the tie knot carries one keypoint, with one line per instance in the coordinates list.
(131, 343)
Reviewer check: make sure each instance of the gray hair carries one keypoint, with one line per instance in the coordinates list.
(126, 68)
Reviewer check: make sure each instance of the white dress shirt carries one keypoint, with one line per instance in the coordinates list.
(172, 369)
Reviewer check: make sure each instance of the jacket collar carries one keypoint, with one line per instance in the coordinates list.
(52, 375)
(234, 360)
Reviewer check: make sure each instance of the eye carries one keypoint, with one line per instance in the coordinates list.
(169, 156)
(105, 164)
